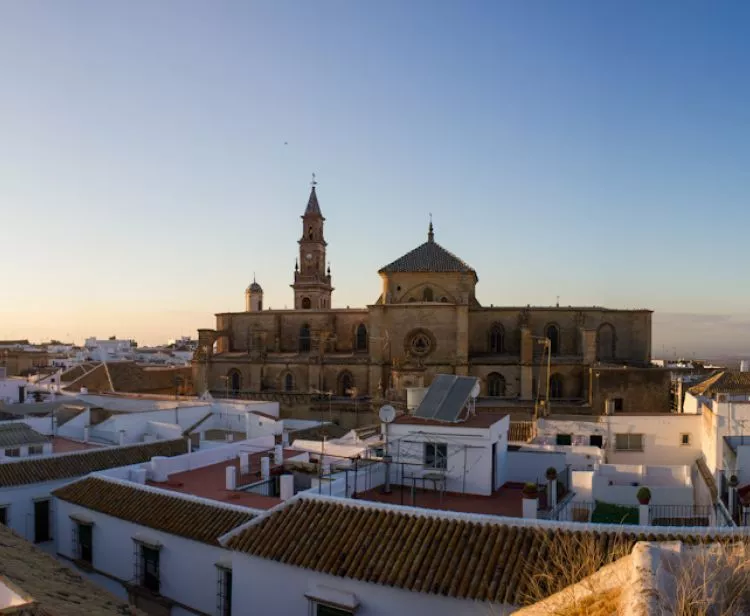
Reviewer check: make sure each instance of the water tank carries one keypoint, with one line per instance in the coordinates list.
(414, 397)
(745, 365)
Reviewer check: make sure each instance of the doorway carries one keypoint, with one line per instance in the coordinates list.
(41, 521)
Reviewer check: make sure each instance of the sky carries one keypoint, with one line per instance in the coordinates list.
(154, 156)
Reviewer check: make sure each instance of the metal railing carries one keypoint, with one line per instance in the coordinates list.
(267, 487)
(681, 515)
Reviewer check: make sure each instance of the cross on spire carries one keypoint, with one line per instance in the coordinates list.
(314, 182)
(431, 231)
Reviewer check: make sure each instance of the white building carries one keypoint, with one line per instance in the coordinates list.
(26, 483)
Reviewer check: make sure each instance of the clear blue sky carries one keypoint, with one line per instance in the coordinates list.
(599, 151)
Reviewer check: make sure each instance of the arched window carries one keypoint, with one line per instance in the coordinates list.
(427, 295)
(304, 338)
(497, 339)
(289, 382)
(235, 380)
(605, 342)
(555, 386)
(260, 304)
(346, 382)
(495, 384)
(411, 299)
(309, 233)
(552, 332)
(361, 339)
(306, 303)
(444, 299)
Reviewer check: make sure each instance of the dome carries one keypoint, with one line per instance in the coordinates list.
(255, 288)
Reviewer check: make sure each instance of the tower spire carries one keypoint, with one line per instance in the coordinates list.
(430, 231)
(313, 208)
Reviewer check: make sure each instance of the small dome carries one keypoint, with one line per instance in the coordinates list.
(255, 288)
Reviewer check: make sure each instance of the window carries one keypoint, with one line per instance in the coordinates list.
(605, 342)
(436, 455)
(224, 592)
(14, 452)
(564, 439)
(497, 339)
(4, 514)
(629, 442)
(41, 521)
(320, 609)
(304, 338)
(36, 450)
(684, 440)
(84, 542)
(289, 382)
(596, 440)
(427, 295)
(235, 380)
(495, 384)
(345, 384)
(555, 386)
(420, 344)
(306, 303)
(361, 338)
(618, 404)
(552, 332)
(444, 299)
(147, 566)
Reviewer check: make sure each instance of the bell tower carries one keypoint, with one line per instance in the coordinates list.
(312, 280)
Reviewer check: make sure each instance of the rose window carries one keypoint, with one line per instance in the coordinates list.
(420, 344)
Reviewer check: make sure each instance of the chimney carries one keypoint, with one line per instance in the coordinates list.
(278, 454)
(286, 486)
(244, 463)
(265, 468)
(84, 390)
(85, 434)
(159, 471)
(231, 478)
(285, 438)
(122, 438)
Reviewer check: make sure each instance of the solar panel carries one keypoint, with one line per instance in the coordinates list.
(456, 399)
(435, 395)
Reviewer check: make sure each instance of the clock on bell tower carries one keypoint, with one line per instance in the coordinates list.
(312, 280)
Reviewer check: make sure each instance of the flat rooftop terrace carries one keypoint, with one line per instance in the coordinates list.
(503, 502)
(64, 445)
(210, 481)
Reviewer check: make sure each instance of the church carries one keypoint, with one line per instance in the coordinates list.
(426, 321)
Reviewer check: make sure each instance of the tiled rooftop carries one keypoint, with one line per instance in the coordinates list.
(65, 445)
(723, 382)
(210, 482)
(56, 590)
(428, 257)
(50, 468)
(14, 434)
(476, 558)
(171, 514)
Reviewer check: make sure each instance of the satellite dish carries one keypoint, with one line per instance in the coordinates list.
(387, 413)
(475, 390)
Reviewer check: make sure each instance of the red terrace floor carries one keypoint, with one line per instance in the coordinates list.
(210, 482)
(63, 445)
(506, 501)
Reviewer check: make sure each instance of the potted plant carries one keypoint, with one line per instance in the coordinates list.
(734, 481)
(644, 495)
(530, 490)
(551, 473)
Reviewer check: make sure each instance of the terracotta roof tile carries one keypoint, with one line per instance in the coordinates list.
(14, 434)
(165, 512)
(78, 464)
(54, 588)
(723, 382)
(455, 557)
(428, 257)
(129, 377)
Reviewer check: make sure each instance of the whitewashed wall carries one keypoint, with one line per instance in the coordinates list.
(662, 444)
(526, 466)
(260, 589)
(187, 568)
(583, 486)
(20, 502)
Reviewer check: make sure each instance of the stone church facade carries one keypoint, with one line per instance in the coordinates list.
(426, 320)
